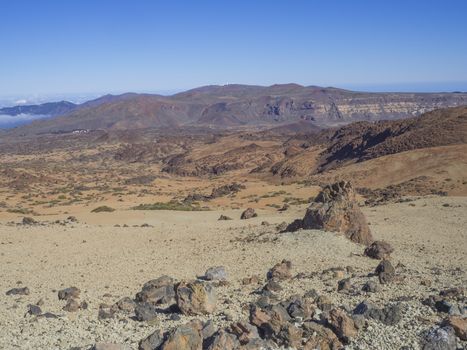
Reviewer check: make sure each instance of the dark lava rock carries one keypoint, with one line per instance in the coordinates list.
(145, 312)
(385, 271)
(389, 315)
(224, 217)
(18, 291)
(34, 310)
(153, 341)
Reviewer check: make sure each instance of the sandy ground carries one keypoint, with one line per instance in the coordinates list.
(430, 242)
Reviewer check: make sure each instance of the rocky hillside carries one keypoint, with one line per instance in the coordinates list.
(242, 105)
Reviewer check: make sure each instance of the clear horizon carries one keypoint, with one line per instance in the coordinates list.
(76, 47)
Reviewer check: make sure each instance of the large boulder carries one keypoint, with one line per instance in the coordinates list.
(336, 209)
(195, 298)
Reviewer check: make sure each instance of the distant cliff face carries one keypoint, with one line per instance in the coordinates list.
(241, 105)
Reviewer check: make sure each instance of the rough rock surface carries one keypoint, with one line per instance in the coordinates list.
(379, 250)
(336, 209)
(195, 298)
(248, 214)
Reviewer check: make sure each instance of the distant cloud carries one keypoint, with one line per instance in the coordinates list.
(8, 121)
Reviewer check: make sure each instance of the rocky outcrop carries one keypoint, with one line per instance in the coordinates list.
(336, 209)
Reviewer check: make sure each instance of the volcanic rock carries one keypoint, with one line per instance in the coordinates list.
(336, 209)
(185, 337)
(195, 298)
(281, 271)
(248, 214)
(217, 273)
(385, 271)
(68, 293)
(440, 338)
(379, 250)
(459, 324)
(18, 291)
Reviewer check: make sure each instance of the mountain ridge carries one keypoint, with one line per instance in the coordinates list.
(236, 105)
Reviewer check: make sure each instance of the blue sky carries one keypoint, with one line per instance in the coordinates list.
(115, 46)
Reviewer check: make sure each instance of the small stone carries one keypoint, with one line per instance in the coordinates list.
(379, 250)
(344, 285)
(255, 279)
(152, 341)
(281, 271)
(371, 287)
(145, 312)
(217, 273)
(459, 324)
(68, 293)
(34, 310)
(18, 291)
(29, 221)
(385, 272)
(126, 304)
(106, 311)
(71, 306)
(248, 214)
(440, 338)
(224, 217)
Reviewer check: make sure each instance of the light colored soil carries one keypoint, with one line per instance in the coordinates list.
(101, 259)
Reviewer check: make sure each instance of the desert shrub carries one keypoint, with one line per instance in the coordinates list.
(103, 208)
(172, 205)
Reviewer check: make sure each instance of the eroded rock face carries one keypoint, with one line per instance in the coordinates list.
(336, 209)
(195, 298)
